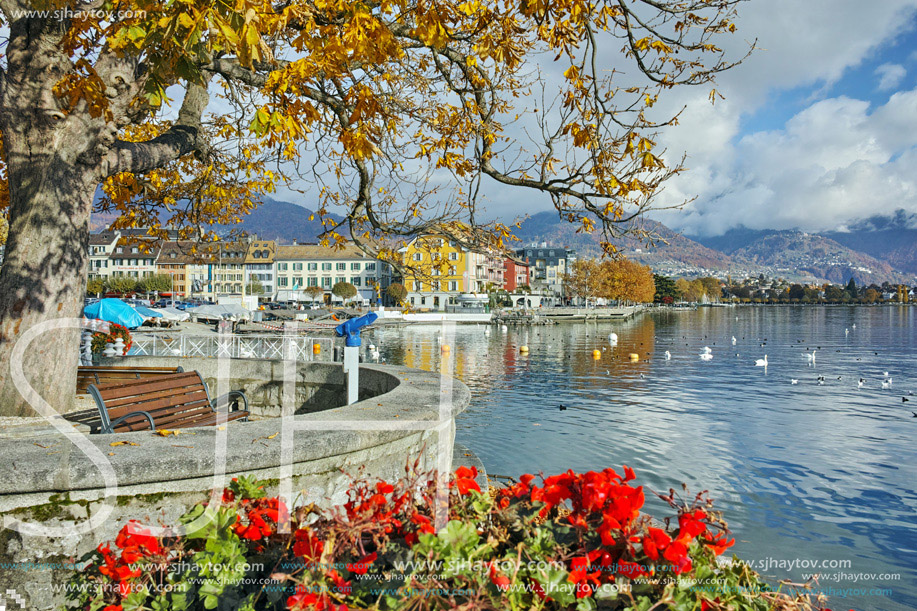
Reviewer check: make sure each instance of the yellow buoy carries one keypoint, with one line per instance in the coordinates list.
(634, 357)
(316, 348)
(446, 348)
(523, 349)
(596, 354)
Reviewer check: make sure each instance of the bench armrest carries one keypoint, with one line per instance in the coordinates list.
(226, 400)
(111, 427)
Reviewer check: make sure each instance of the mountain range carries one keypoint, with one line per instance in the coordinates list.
(874, 250)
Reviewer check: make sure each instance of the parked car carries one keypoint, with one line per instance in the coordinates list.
(277, 305)
(165, 303)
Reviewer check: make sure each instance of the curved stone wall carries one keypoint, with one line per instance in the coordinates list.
(51, 481)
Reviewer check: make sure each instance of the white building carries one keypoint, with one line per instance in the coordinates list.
(300, 266)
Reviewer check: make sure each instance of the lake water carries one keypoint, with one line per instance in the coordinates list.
(805, 473)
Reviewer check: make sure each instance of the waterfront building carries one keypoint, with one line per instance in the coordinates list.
(300, 266)
(515, 273)
(133, 258)
(101, 246)
(440, 270)
(259, 267)
(549, 264)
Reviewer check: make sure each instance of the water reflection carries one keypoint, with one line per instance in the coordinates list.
(805, 471)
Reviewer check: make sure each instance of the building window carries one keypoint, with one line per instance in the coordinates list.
(135, 250)
(436, 285)
(453, 256)
(326, 282)
(370, 267)
(355, 281)
(355, 267)
(326, 267)
(297, 267)
(340, 279)
(417, 256)
(282, 281)
(341, 267)
(119, 250)
(312, 267)
(282, 267)
(453, 285)
(415, 286)
(313, 281)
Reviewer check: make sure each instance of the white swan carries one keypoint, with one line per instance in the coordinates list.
(810, 356)
(734, 340)
(707, 350)
(668, 355)
(706, 356)
(885, 384)
(761, 362)
(794, 381)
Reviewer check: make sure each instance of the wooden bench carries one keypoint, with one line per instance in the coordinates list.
(167, 401)
(99, 375)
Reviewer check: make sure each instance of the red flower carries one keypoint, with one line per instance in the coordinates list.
(306, 545)
(579, 575)
(497, 578)
(362, 565)
(677, 554)
(465, 480)
(655, 541)
(384, 488)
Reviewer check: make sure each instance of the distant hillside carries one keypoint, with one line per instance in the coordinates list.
(734, 239)
(670, 251)
(283, 221)
(272, 220)
(820, 256)
(890, 239)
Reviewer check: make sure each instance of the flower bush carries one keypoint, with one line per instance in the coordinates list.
(569, 541)
(100, 340)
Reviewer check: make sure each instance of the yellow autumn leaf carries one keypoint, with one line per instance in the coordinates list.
(123, 443)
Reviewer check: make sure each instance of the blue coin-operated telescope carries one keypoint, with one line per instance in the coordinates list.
(351, 330)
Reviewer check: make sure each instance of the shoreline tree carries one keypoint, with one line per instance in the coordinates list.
(315, 292)
(186, 114)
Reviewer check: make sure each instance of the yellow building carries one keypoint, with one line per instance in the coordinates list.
(443, 270)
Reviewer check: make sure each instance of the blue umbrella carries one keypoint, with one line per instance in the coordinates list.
(114, 310)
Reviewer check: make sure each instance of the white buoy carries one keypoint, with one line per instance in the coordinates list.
(668, 355)
(733, 340)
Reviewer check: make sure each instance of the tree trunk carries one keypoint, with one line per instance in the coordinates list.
(51, 190)
(43, 278)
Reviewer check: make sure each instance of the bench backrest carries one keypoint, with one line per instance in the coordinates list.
(167, 398)
(99, 375)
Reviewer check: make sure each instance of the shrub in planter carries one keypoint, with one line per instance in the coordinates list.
(570, 541)
(100, 340)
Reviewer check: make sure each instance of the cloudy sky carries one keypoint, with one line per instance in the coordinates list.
(818, 129)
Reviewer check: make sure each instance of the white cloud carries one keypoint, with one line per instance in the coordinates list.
(834, 161)
(890, 75)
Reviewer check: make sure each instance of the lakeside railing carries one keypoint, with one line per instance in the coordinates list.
(271, 347)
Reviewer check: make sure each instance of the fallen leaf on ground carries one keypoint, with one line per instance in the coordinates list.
(166, 432)
(123, 443)
(272, 436)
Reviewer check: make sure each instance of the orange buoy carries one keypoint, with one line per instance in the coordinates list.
(596, 354)
(316, 348)
(634, 357)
